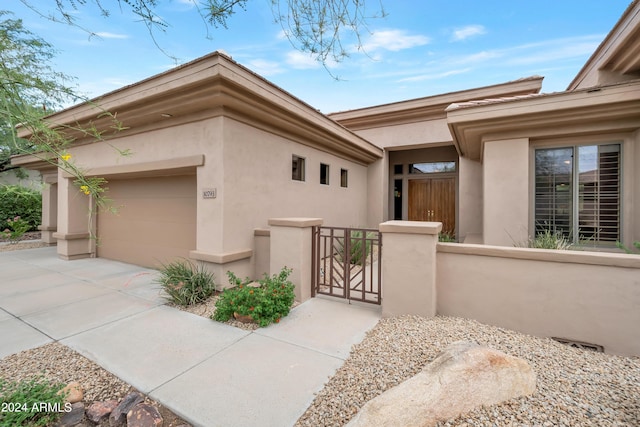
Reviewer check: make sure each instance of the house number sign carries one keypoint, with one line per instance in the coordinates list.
(208, 193)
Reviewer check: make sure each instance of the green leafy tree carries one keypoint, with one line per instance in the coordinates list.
(322, 28)
(30, 88)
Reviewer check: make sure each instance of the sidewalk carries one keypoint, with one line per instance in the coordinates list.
(208, 373)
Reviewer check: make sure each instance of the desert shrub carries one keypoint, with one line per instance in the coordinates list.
(185, 283)
(628, 250)
(20, 201)
(548, 239)
(34, 402)
(359, 250)
(445, 236)
(17, 230)
(266, 303)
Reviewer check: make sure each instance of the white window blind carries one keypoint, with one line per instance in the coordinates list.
(577, 192)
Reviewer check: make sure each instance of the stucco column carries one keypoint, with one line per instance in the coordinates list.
(290, 247)
(74, 225)
(49, 222)
(506, 191)
(409, 267)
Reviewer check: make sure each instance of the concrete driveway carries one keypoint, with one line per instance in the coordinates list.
(209, 373)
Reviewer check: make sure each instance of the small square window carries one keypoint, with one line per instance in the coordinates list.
(344, 178)
(324, 174)
(297, 168)
(398, 169)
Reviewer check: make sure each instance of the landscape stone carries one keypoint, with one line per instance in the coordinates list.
(99, 411)
(119, 415)
(462, 377)
(144, 415)
(73, 417)
(73, 391)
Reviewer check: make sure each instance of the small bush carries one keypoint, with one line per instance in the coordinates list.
(18, 227)
(548, 240)
(266, 304)
(358, 250)
(445, 236)
(626, 249)
(20, 201)
(186, 283)
(31, 403)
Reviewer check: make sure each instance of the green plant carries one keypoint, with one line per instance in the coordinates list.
(445, 236)
(359, 247)
(266, 303)
(186, 283)
(619, 245)
(19, 225)
(548, 239)
(35, 402)
(20, 201)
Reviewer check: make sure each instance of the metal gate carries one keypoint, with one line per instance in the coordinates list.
(346, 263)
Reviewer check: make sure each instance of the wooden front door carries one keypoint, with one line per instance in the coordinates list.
(433, 199)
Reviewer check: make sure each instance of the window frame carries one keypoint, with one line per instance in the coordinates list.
(344, 178)
(575, 144)
(325, 174)
(299, 174)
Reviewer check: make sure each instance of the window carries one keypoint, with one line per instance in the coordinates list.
(577, 192)
(433, 167)
(324, 174)
(297, 168)
(397, 199)
(398, 169)
(344, 178)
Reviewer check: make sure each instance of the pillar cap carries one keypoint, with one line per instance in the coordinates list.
(411, 227)
(295, 222)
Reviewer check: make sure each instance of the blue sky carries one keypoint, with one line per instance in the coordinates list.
(421, 48)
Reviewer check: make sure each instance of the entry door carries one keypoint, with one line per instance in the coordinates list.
(433, 199)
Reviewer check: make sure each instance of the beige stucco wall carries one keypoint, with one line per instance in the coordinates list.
(378, 192)
(470, 208)
(580, 296)
(506, 191)
(258, 185)
(408, 273)
(408, 134)
(634, 185)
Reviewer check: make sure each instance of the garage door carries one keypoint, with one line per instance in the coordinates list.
(155, 222)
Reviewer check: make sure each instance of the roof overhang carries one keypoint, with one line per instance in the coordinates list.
(619, 52)
(213, 85)
(595, 111)
(430, 108)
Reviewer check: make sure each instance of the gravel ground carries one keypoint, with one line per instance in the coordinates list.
(59, 363)
(575, 387)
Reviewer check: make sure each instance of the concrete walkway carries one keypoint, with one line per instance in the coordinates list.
(208, 373)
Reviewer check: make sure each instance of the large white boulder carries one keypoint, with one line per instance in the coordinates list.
(462, 377)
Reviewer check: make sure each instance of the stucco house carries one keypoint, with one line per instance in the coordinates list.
(217, 150)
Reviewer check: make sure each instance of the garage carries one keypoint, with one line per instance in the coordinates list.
(155, 221)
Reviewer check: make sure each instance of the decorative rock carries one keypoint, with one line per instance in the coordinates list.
(73, 417)
(119, 415)
(144, 415)
(74, 392)
(99, 411)
(464, 376)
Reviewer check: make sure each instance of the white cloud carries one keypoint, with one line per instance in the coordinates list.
(393, 40)
(467, 32)
(434, 76)
(553, 50)
(108, 35)
(265, 68)
(301, 61)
